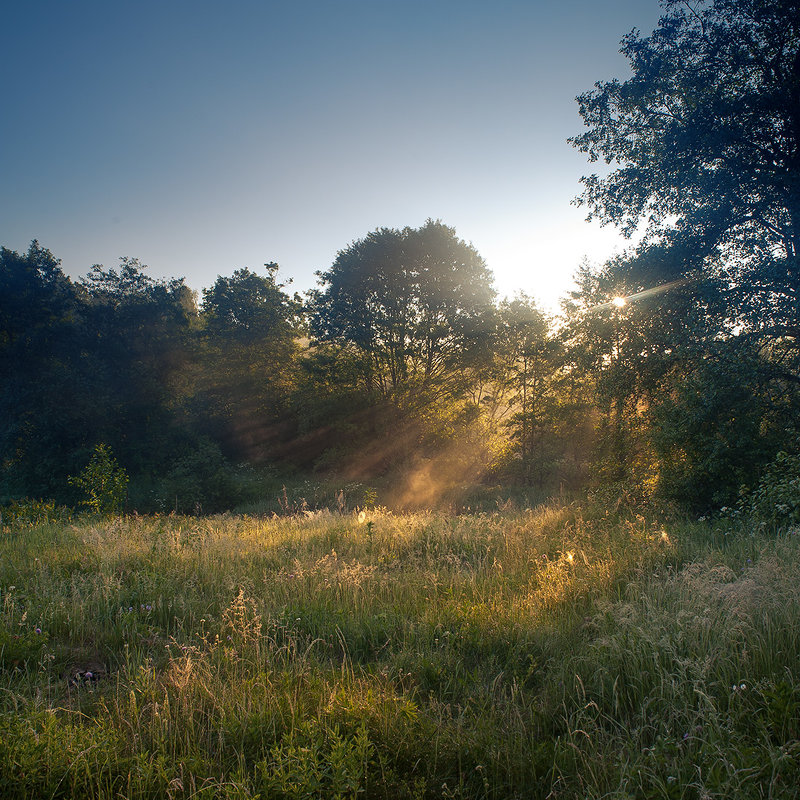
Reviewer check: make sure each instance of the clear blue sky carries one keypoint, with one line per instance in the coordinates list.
(205, 136)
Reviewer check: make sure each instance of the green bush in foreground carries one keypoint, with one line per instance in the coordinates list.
(561, 652)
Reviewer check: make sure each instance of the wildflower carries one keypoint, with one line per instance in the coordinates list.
(743, 686)
(88, 675)
(37, 630)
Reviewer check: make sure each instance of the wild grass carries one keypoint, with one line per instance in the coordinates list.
(563, 651)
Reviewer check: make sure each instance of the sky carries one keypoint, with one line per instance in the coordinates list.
(206, 136)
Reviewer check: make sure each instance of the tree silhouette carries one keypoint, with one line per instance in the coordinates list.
(414, 304)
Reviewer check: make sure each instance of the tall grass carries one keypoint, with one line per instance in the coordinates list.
(563, 651)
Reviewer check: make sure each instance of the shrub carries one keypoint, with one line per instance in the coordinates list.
(104, 482)
(199, 480)
(777, 497)
(28, 513)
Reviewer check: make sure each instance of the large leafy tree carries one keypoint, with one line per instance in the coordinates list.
(702, 145)
(37, 304)
(399, 325)
(538, 394)
(138, 324)
(249, 308)
(84, 363)
(626, 346)
(136, 331)
(703, 141)
(414, 304)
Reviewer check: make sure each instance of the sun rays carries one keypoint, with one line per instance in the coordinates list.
(621, 301)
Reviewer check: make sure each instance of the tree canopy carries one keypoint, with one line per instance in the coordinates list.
(704, 144)
(414, 303)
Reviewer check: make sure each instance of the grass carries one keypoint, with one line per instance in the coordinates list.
(563, 651)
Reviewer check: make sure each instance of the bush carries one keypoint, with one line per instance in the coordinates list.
(28, 513)
(104, 482)
(776, 499)
(199, 480)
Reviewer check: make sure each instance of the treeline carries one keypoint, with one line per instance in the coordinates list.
(673, 370)
(401, 363)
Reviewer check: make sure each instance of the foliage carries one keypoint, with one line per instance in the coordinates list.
(546, 409)
(136, 334)
(85, 361)
(704, 139)
(713, 433)
(704, 135)
(414, 304)
(702, 142)
(401, 324)
(38, 336)
(103, 481)
(249, 307)
(776, 498)
(199, 480)
(28, 513)
(246, 365)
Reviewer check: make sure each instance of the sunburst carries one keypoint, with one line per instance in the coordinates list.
(620, 301)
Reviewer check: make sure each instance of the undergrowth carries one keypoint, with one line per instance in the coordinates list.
(563, 651)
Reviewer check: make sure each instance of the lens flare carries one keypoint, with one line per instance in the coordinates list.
(619, 301)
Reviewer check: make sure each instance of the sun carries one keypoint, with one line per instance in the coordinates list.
(619, 302)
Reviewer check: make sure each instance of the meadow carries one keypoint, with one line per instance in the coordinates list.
(563, 651)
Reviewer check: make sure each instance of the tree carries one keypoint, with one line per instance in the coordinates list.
(413, 303)
(37, 302)
(39, 383)
(703, 144)
(718, 427)
(104, 483)
(525, 379)
(397, 324)
(248, 354)
(136, 331)
(250, 308)
(704, 141)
